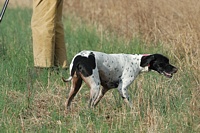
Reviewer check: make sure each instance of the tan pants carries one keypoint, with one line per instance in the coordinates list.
(48, 34)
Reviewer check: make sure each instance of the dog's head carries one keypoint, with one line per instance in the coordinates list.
(159, 63)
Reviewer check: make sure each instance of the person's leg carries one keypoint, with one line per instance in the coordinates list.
(60, 48)
(43, 32)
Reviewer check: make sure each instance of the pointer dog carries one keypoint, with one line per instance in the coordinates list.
(112, 71)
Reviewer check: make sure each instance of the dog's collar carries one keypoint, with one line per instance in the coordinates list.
(146, 55)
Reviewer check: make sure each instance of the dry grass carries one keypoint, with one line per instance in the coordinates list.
(17, 3)
(160, 104)
(173, 23)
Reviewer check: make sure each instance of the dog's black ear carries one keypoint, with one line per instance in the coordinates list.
(145, 60)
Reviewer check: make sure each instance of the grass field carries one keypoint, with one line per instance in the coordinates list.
(35, 103)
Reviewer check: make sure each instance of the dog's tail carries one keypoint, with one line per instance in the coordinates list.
(67, 80)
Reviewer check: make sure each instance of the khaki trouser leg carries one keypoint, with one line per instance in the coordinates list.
(48, 34)
(60, 49)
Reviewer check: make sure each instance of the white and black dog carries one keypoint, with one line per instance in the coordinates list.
(112, 71)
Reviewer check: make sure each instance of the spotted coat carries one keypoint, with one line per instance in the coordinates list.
(111, 71)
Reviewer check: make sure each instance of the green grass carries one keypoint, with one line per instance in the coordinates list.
(35, 103)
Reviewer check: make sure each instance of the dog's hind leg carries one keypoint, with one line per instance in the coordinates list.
(93, 83)
(122, 88)
(75, 86)
(94, 92)
(101, 94)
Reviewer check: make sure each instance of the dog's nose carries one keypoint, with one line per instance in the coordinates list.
(175, 69)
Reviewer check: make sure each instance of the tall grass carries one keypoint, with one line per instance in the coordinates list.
(35, 103)
(173, 23)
